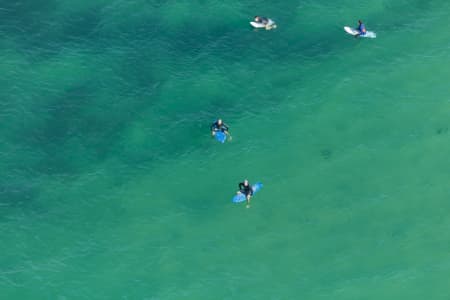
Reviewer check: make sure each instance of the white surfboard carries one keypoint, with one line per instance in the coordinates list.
(352, 31)
(268, 26)
(257, 25)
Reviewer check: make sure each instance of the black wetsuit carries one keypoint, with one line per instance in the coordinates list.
(246, 190)
(216, 127)
(264, 20)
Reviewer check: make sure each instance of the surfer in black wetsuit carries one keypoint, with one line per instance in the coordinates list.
(266, 22)
(220, 126)
(246, 189)
(262, 20)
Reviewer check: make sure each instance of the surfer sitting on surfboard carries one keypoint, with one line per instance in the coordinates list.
(263, 22)
(246, 189)
(361, 28)
(219, 126)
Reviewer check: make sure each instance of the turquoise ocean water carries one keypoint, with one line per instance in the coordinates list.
(111, 187)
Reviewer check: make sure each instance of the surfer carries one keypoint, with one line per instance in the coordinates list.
(361, 28)
(266, 22)
(219, 126)
(246, 189)
(261, 20)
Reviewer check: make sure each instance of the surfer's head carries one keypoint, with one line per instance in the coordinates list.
(257, 19)
(359, 21)
(246, 182)
(219, 121)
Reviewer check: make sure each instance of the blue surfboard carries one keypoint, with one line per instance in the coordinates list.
(220, 136)
(241, 197)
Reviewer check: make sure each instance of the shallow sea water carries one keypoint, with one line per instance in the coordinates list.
(111, 187)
